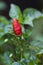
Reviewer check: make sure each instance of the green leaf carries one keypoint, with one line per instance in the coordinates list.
(29, 14)
(38, 29)
(16, 63)
(24, 61)
(37, 44)
(8, 29)
(39, 56)
(27, 31)
(37, 34)
(40, 52)
(3, 22)
(5, 26)
(5, 59)
(31, 63)
(15, 12)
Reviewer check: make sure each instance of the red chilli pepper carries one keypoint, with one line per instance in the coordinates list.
(16, 27)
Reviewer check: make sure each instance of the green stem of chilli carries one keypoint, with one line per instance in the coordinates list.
(21, 48)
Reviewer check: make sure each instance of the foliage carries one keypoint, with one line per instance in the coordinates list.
(26, 49)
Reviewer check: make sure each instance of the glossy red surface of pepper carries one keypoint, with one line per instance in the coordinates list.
(16, 27)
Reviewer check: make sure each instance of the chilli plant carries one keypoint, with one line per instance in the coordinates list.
(21, 37)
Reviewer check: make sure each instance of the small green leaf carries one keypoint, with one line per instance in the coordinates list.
(15, 12)
(3, 20)
(8, 29)
(31, 62)
(16, 63)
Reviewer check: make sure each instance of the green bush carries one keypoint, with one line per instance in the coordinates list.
(26, 49)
